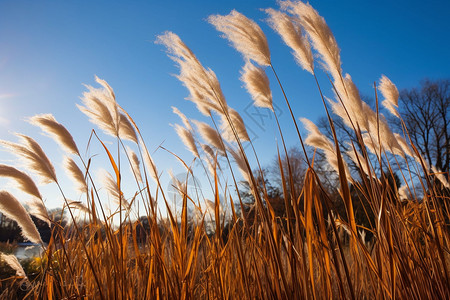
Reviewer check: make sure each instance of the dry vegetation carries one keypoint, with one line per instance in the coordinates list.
(257, 254)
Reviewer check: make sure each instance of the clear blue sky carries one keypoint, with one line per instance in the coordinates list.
(49, 48)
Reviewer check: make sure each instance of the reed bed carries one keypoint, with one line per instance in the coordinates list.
(223, 248)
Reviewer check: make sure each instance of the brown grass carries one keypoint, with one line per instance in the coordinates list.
(310, 252)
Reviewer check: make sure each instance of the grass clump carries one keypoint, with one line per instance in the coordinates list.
(224, 247)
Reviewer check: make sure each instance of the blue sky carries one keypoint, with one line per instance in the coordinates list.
(48, 49)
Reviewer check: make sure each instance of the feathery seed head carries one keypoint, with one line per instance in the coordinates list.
(183, 118)
(101, 108)
(245, 35)
(238, 124)
(388, 90)
(390, 94)
(316, 138)
(320, 34)
(135, 164)
(24, 182)
(60, 134)
(33, 156)
(203, 85)
(75, 173)
(210, 135)
(257, 84)
(12, 208)
(126, 130)
(11, 260)
(187, 139)
(292, 35)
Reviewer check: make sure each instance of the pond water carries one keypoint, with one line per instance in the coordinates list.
(27, 250)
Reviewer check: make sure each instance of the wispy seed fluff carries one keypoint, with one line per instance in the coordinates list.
(292, 35)
(316, 138)
(404, 193)
(187, 139)
(75, 173)
(441, 177)
(12, 208)
(11, 260)
(210, 135)
(359, 160)
(33, 156)
(27, 185)
(24, 182)
(240, 161)
(258, 85)
(110, 184)
(320, 34)
(135, 164)
(183, 118)
(238, 124)
(59, 133)
(80, 206)
(347, 91)
(245, 35)
(126, 130)
(101, 107)
(390, 94)
(148, 162)
(319, 140)
(203, 85)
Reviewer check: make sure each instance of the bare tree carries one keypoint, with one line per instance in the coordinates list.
(425, 111)
(297, 165)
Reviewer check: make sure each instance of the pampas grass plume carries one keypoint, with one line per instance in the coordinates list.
(245, 35)
(75, 173)
(33, 156)
(238, 124)
(11, 260)
(135, 164)
(59, 133)
(12, 208)
(257, 84)
(187, 139)
(320, 34)
(390, 94)
(24, 182)
(210, 135)
(292, 35)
